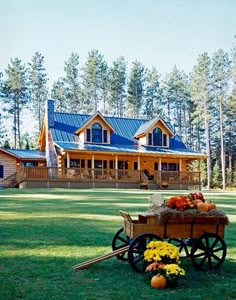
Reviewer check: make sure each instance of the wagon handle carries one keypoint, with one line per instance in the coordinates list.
(126, 216)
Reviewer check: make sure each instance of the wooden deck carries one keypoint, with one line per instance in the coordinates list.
(103, 177)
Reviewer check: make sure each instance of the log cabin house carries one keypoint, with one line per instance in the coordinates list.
(85, 151)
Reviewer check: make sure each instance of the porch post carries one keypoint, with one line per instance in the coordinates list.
(139, 168)
(67, 159)
(159, 168)
(199, 169)
(92, 166)
(116, 166)
(180, 169)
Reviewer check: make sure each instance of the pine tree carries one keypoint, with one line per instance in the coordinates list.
(216, 175)
(152, 104)
(116, 87)
(104, 82)
(17, 95)
(3, 132)
(38, 86)
(72, 89)
(200, 92)
(93, 77)
(58, 93)
(136, 86)
(176, 94)
(220, 76)
(230, 120)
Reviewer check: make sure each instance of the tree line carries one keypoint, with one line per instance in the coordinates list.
(201, 106)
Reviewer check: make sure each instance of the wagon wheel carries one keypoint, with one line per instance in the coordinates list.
(208, 251)
(136, 251)
(182, 244)
(119, 241)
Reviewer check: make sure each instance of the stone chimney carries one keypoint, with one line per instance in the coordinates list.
(51, 156)
(50, 112)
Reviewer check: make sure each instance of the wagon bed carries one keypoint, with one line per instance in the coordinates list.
(173, 226)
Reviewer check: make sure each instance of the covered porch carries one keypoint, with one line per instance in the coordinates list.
(99, 177)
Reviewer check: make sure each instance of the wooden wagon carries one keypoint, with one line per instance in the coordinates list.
(197, 237)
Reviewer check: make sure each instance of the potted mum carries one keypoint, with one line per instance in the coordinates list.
(163, 260)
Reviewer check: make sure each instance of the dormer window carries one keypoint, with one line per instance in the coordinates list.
(157, 138)
(96, 134)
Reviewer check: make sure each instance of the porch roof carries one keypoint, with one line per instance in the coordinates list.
(136, 149)
(25, 154)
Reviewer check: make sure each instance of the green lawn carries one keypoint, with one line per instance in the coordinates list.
(45, 232)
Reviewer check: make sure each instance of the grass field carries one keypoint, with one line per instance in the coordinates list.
(45, 232)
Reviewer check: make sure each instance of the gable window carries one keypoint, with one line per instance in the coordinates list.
(96, 133)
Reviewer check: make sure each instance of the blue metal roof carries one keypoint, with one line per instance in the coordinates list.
(125, 148)
(26, 154)
(122, 139)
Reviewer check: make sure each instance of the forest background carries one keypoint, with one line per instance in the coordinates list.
(201, 106)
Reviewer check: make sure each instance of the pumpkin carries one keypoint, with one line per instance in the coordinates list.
(197, 201)
(211, 206)
(158, 282)
(202, 206)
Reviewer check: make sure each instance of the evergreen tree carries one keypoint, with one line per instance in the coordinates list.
(38, 86)
(176, 93)
(58, 93)
(230, 120)
(17, 96)
(152, 104)
(104, 82)
(93, 78)
(216, 175)
(72, 89)
(3, 132)
(116, 87)
(136, 86)
(200, 92)
(220, 76)
(7, 144)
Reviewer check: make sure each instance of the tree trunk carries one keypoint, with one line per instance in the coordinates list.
(208, 151)
(222, 144)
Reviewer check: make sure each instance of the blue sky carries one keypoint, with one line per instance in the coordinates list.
(158, 33)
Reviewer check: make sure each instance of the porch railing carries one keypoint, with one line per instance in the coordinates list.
(177, 177)
(85, 174)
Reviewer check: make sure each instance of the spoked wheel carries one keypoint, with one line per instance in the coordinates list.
(208, 251)
(183, 245)
(119, 241)
(137, 248)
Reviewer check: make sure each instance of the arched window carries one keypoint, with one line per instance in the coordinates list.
(157, 137)
(96, 133)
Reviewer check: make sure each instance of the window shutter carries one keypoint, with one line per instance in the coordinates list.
(88, 135)
(149, 139)
(104, 136)
(164, 140)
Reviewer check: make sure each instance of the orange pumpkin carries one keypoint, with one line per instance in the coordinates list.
(158, 282)
(202, 206)
(197, 201)
(211, 206)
